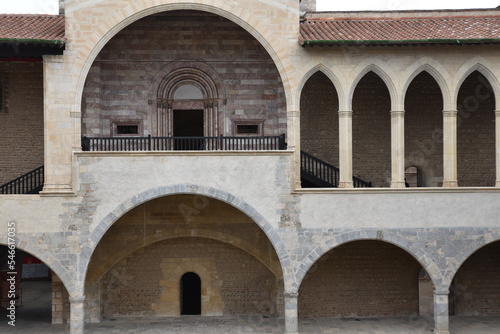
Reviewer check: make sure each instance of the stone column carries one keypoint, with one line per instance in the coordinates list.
(398, 149)
(77, 319)
(450, 148)
(441, 317)
(293, 141)
(497, 145)
(291, 313)
(59, 122)
(345, 149)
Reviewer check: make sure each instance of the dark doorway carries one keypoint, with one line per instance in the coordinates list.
(189, 124)
(190, 294)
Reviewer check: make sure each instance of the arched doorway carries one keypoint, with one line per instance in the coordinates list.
(189, 100)
(190, 294)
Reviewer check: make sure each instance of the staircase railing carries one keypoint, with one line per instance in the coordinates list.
(327, 175)
(319, 169)
(29, 183)
(149, 143)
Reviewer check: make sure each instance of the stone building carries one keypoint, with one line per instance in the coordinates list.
(268, 159)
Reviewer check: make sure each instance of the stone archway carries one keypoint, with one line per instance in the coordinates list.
(188, 86)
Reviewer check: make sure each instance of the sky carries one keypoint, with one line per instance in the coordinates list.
(341, 5)
(52, 6)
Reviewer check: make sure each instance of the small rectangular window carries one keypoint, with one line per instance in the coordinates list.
(247, 129)
(127, 129)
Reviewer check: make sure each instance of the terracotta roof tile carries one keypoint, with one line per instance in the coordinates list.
(33, 28)
(381, 31)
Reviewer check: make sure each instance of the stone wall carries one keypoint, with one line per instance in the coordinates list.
(21, 122)
(147, 281)
(361, 279)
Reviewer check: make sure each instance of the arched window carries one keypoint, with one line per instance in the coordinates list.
(414, 177)
(190, 294)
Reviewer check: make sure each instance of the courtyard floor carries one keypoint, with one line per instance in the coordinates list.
(34, 318)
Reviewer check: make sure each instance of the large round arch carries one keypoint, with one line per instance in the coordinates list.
(161, 239)
(134, 12)
(416, 252)
(103, 226)
(49, 260)
(363, 278)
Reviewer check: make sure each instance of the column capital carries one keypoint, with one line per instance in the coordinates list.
(497, 113)
(441, 292)
(345, 113)
(293, 113)
(291, 294)
(398, 112)
(77, 299)
(450, 113)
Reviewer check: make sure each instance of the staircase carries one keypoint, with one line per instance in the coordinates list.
(29, 183)
(316, 173)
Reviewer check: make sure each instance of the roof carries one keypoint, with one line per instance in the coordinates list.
(32, 28)
(396, 29)
(25, 37)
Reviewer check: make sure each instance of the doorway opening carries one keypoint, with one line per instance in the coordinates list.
(189, 124)
(190, 294)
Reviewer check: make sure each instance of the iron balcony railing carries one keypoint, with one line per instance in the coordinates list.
(326, 175)
(29, 183)
(149, 143)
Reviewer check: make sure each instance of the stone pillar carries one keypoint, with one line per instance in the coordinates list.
(497, 145)
(77, 319)
(441, 317)
(58, 127)
(293, 141)
(398, 149)
(345, 149)
(291, 313)
(450, 148)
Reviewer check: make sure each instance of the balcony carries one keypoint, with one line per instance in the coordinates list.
(149, 143)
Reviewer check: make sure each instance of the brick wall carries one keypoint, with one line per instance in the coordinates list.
(476, 132)
(361, 279)
(423, 128)
(119, 86)
(132, 287)
(21, 125)
(476, 287)
(319, 120)
(371, 131)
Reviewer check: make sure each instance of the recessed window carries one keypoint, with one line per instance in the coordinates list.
(127, 129)
(247, 129)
